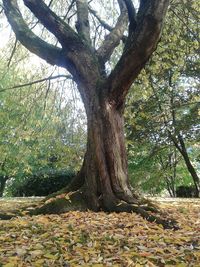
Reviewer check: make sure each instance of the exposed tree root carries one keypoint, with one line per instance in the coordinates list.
(142, 211)
(61, 203)
(64, 202)
(76, 201)
(76, 183)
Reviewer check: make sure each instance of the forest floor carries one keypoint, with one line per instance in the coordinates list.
(100, 239)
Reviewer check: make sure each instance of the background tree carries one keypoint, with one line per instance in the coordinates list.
(167, 114)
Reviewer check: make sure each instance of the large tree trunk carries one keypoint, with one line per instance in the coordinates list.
(105, 167)
(103, 181)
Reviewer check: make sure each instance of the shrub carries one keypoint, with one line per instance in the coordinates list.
(42, 183)
(185, 191)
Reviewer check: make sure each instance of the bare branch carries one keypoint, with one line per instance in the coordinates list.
(164, 118)
(13, 52)
(113, 38)
(104, 24)
(35, 82)
(69, 8)
(46, 94)
(101, 21)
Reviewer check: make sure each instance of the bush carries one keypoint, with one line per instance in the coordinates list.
(42, 183)
(185, 191)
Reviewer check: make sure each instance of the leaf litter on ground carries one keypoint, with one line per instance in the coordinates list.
(101, 239)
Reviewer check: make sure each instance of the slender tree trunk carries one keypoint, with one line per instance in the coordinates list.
(180, 145)
(193, 173)
(189, 165)
(172, 177)
(2, 185)
(1, 191)
(174, 173)
(169, 188)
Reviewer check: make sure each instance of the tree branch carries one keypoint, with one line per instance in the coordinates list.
(35, 82)
(104, 24)
(74, 51)
(139, 46)
(101, 21)
(131, 14)
(62, 31)
(82, 24)
(12, 53)
(113, 38)
(32, 42)
(78, 55)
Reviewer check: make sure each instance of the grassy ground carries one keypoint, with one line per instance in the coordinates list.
(100, 239)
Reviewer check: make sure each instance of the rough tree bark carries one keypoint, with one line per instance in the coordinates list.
(103, 179)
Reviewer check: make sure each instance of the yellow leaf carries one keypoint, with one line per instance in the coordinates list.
(39, 263)
(36, 253)
(51, 256)
(67, 197)
(86, 258)
(10, 264)
(49, 200)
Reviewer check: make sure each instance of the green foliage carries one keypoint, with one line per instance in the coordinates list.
(41, 183)
(165, 98)
(37, 125)
(145, 170)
